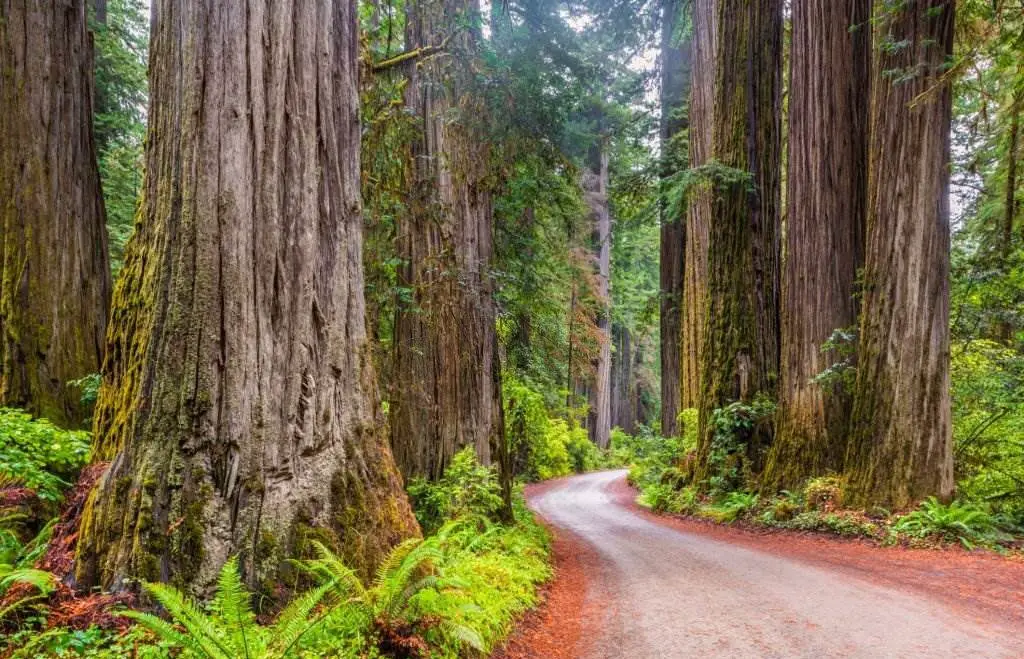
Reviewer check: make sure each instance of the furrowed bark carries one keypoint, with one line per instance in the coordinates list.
(824, 248)
(623, 389)
(901, 444)
(675, 88)
(595, 194)
(698, 211)
(740, 359)
(443, 398)
(55, 269)
(238, 406)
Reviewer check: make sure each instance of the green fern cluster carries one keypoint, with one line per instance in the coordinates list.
(958, 521)
(16, 562)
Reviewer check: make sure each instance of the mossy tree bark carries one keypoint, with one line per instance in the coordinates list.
(594, 182)
(623, 389)
(443, 396)
(740, 359)
(901, 445)
(698, 210)
(826, 200)
(55, 269)
(676, 55)
(238, 405)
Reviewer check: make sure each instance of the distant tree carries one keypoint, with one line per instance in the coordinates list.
(443, 396)
(55, 284)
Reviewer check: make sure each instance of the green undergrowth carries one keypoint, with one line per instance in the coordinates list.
(39, 456)
(454, 593)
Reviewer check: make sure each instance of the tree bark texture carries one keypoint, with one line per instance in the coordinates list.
(623, 386)
(698, 210)
(238, 406)
(901, 443)
(675, 84)
(740, 358)
(824, 243)
(442, 396)
(55, 269)
(595, 194)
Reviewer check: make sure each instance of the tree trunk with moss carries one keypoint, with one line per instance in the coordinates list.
(740, 360)
(442, 397)
(623, 389)
(594, 183)
(901, 444)
(698, 209)
(826, 201)
(675, 84)
(55, 270)
(238, 407)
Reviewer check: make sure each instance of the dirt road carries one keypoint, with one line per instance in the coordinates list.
(654, 589)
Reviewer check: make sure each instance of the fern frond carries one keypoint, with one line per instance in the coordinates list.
(168, 632)
(294, 622)
(203, 629)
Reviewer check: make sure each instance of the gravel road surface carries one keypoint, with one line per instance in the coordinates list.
(662, 592)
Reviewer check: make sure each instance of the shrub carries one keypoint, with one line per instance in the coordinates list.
(467, 488)
(38, 455)
(731, 508)
(958, 521)
(824, 493)
(583, 454)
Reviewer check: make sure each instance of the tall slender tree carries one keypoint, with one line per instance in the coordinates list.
(238, 407)
(676, 54)
(443, 395)
(740, 359)
(826, 201)
(698, 210)
(55, 271)
(594, 182)
(901, 444)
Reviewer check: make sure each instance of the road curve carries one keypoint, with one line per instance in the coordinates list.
(665, 593)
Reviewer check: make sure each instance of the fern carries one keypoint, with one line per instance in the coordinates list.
(229, 630)
(958, 521)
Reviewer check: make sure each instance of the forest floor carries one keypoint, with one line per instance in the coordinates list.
(633, 583)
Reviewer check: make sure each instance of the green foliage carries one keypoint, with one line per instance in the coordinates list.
(467, 488)
(38, 455)
(16, 562)
(957, 521)
(842, 372)
(119, 117)
(824, 493)
(227, 629)
(728, 457)
(731, 507)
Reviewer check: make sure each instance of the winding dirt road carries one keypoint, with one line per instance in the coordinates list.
(656, 588)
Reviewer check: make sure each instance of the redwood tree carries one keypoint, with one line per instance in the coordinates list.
(443, 396)
(594, 182)
(826, 200)
(740, 359)
(675, 83)
(238, 408)
(901, 445)
(55, 270)
(698, 211)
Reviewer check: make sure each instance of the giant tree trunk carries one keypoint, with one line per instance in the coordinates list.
(238, 407)
(442, 395)
(740, 359)
(901, 445)
(675, 83)
(826, 201)
(698, 210)
(595, 194)
(55, 270)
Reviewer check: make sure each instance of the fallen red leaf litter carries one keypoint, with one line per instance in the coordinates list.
(978, 584)
(66, 606)
(569, 612)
